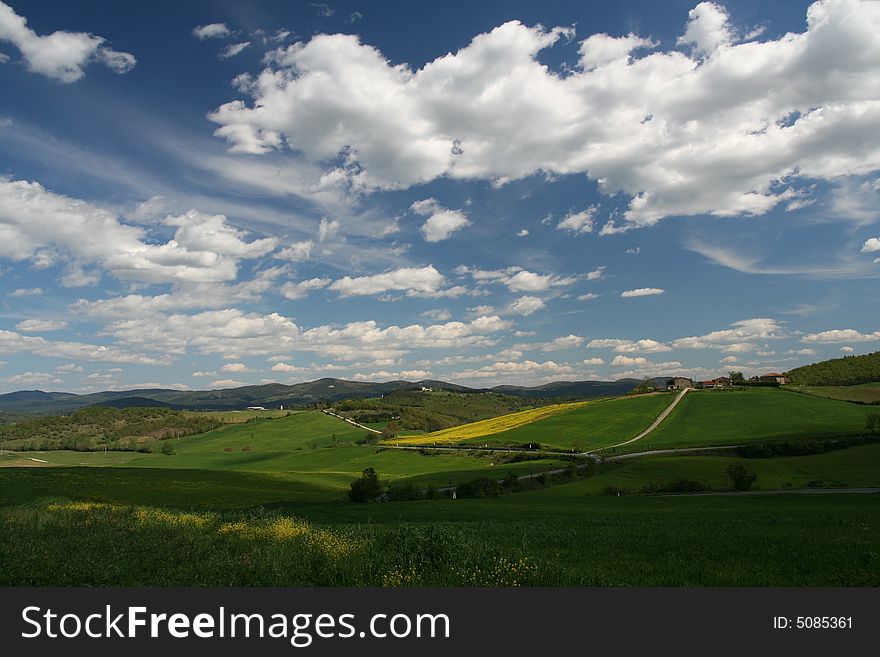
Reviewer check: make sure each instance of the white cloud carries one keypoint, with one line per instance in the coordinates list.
(443, 315)
(29, 378)
(871, 245)
(525, 305)
(596, 274)
(60, 55)
(743, 331)
(847, 350)
(203, 374)
(226, 383)
(728, 359)
(707, 29)
(441, 222)
(629, 360)
(26, 292)
(40, 325)
(12, 342)
(284, 367)
(235, 368)
(642, 292)
(233, 49)
(729, 130)
(798, 352)
(425, 281)
(579, 222)
(509, 369)
(328, 228)
(840, 335)
(523, 233)
(565, 342)
(646, 346)
(301, 290)
(70, 368)
(527, 281)
(205, 248)
(297, 251)
(589, 296)
(211, 31)
(593, 361)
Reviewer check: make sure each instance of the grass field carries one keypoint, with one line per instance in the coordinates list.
(555, 536)
(237, 417)
(866, 393)
(491, 426)
(753, 415)
(593, 426)
(263, 503)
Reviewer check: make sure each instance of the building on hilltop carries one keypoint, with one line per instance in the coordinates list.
(679, 383)
(773, 377)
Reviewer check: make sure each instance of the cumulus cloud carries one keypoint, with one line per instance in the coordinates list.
(441, 222)
(26, 292)
(840, 335)
(871, 245)
(12, 343)
(647, 345)
(40, 325)
(301, 289)
(235, 368)
(743, 331)
(525, 305)
(328, 228)
(629, 360)
(847, 350)
(510, 369)
(642, 292)
(523, 233)
(61, 55)
(729, 129)
(205, 248)
(579, 222)
(211, 31)
(425, 281)
(593, 361)
(589, 296)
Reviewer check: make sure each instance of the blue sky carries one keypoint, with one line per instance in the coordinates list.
(211, 194)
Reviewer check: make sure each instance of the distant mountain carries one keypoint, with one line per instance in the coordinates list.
(275, 395)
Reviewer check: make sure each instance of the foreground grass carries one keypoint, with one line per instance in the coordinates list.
(550, 537)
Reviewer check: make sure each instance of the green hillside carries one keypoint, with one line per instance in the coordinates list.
(846, 371)
(752, 415)
(590, 427)
(866, 393)
(434, 410)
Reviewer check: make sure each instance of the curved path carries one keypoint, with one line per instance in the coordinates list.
(653, 426)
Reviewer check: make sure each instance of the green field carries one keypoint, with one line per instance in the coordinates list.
(590, 427)
(555, 536)
(752, 415)
(263, 503)
(866, 393)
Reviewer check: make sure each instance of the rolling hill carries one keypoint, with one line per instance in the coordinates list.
(846, 371)
(275, 395)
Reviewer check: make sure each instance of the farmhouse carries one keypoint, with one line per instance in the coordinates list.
(773, 377)
(256, 408)
(720, 382)
(679, 383)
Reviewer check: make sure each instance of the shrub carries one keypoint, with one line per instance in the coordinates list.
(367, 488)
(740, 478)
(168, 448)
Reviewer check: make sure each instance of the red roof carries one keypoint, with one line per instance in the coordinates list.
(774, 374)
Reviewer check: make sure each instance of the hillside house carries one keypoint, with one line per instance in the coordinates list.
(679, 383)
(720, 382)
(773, 377)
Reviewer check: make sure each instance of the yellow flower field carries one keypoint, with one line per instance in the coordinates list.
(488, 427)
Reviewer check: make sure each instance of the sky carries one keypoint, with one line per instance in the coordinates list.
(211, 194)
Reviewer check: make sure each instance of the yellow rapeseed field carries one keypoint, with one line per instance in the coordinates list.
(488, 427)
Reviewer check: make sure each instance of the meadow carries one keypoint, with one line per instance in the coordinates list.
(711, 418)
(264, 503)
(866, 393)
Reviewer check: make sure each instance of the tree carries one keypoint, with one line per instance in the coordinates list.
(740, 477)
(736, 378)
(367, 488)
(872, 422)
(168, 448)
